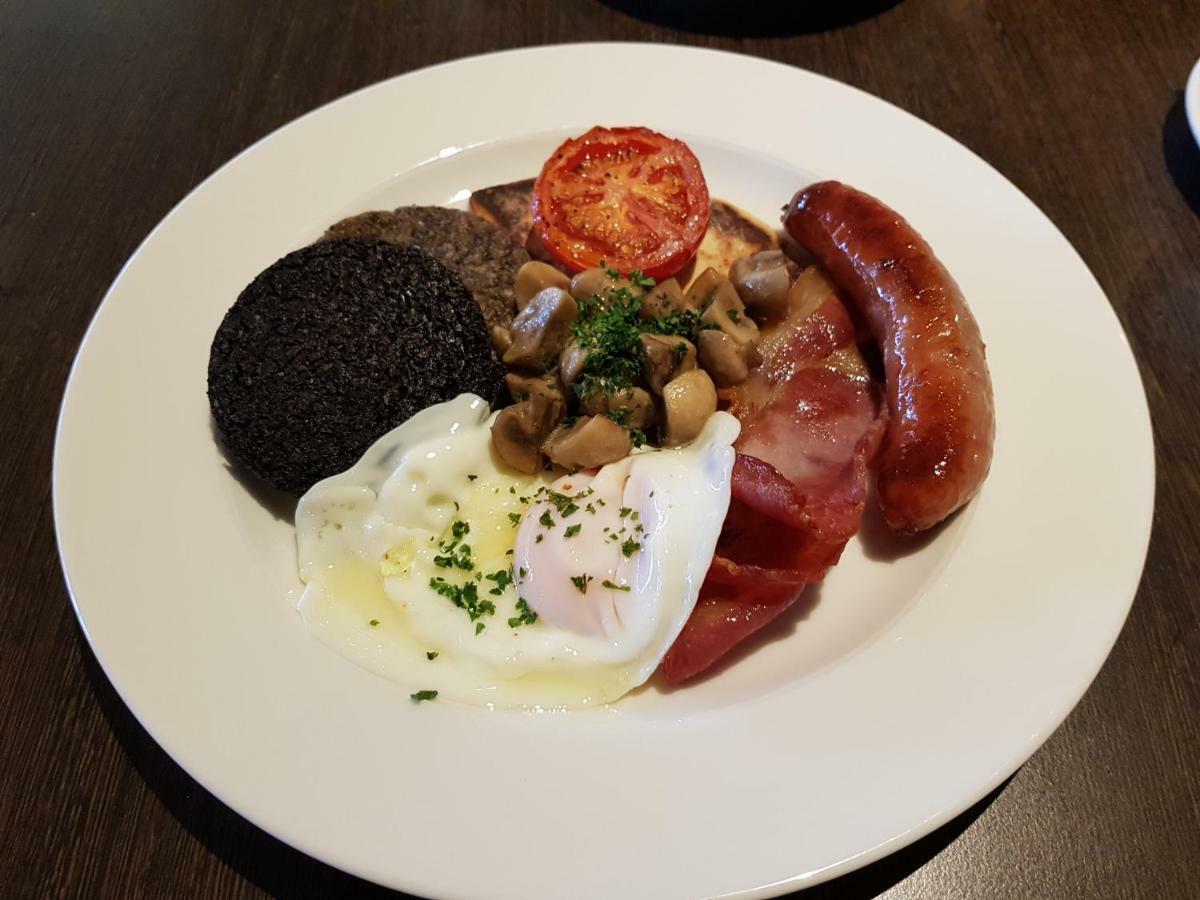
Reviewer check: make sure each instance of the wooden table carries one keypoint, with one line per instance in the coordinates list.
(111, 112)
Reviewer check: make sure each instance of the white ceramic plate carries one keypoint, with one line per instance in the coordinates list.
(913, 687)
(1191, 101)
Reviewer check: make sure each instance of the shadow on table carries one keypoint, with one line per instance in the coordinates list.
(767, 18)
(281, 871)
(1181, 154)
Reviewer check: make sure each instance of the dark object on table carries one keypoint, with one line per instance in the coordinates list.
(336, 344)
(478, 252)
(772, 18)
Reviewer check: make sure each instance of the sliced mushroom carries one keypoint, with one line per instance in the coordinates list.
(542, 329)
(591, 283)
(665, 299)
(520, 430)
(727, 312)
(762, 281)
(571, 364)
(663, 357)
(703, 287)
(501, 339)
(523, 387)
(688, 401)
(726, 359)
(591, 442)
(534, 277)
(632, 407)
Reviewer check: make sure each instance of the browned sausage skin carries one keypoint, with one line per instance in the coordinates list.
(938, 445)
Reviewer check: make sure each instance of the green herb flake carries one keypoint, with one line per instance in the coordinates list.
(465, 597)
(546, 520)
(581, 582)
(572, 530)
(641, 280)
(479, 626)
(515, 518)
(374, 623)
(431, 654)
(502, 579)
(615, 587)
(472, 477)
(538, 539)
(421, 696)
(630, 547)
(524, 616)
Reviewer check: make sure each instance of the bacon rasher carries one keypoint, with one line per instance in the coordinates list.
(812, 419)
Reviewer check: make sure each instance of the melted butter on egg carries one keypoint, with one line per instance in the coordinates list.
(396, 555)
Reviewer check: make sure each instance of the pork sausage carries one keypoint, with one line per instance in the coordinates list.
(938, 445)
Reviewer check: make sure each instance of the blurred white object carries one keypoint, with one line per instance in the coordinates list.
(1191, 101)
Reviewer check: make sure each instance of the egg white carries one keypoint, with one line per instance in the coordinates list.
(369, 541)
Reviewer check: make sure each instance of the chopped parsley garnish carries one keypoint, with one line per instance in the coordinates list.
(479, 626)
(515, 518)
(523, 571)
(423, 695)
(572, 530)
(455, 555)
(734, 316)
(581, 582)
(545, 519)
(630, 547)
(564, 503)
(620, 415)
(373, 623)
(538, 539)
(472, 477)
(502, 578)
(609, 329)
(465, 597)
(524, 616)
(641, 280)
(615, 587)
(461, 559)
(624, 511)
(431, 654)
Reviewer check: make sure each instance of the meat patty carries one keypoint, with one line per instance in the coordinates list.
(336, 344)
(482, 255)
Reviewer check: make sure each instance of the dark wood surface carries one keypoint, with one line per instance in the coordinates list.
(111, 112)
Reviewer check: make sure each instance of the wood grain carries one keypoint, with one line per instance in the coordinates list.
(111, 111)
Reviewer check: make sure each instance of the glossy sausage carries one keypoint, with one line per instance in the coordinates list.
(938, 445)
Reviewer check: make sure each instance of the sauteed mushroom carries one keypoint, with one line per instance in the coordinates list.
(534, 277)
(762, 282)
(634, 407)
(664, 356)
(542, 328)
(520, 430)
(688, 401)
(591, 442)
(522, 387)
(726, 359)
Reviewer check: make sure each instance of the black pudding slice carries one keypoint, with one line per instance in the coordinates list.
(333, 346)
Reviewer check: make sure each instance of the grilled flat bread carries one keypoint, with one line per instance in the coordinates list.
(731, 233)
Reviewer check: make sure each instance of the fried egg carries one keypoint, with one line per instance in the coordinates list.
(432, 563)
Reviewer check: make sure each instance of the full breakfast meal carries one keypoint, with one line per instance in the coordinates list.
(598, 425)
